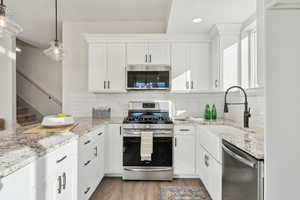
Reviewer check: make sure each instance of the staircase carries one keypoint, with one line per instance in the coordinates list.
(25, 116)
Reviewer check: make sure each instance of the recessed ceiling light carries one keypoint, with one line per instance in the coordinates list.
(197, 20)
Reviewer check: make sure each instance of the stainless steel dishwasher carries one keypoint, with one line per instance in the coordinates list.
(242, 175)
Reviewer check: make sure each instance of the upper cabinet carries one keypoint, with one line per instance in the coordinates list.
(190, 67)
(148, 53)
(188, 57)
(107, 67)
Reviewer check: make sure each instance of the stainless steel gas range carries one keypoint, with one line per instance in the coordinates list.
(150, 118)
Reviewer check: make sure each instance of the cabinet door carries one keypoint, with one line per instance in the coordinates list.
(137, 53)
(97, 68)
(215, 172)
(199, 55)
(184, 154)
(215, 63)
(113, 149)
(202, 165)
(179, 67)
(19, 185)
(99, 153)
(116, 67)
(159, 53)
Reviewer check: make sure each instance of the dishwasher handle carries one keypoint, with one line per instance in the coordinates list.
(239, 158)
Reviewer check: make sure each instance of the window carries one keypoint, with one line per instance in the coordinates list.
(245, 69)
(230, 65)
(249, 59)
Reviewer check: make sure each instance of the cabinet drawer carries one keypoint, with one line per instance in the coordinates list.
(88, 138)
(61, 157)
(184, 129)
(211, 143)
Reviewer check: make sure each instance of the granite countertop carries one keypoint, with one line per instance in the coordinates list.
(250, 140)
(18, 150)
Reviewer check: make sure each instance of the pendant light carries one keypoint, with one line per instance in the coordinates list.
(55, 51)
(7, 26)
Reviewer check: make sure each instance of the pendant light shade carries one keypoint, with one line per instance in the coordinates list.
(55, 51)
(7, 26)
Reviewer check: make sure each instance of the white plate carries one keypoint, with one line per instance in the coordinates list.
(56, 122)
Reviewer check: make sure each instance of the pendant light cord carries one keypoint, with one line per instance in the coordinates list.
(2, 4)
(56, 40)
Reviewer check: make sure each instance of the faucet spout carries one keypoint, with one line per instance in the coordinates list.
(247, 114)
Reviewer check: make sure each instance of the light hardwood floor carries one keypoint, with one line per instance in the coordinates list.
(116, 189)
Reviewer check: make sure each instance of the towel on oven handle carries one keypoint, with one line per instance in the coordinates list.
(146, 145)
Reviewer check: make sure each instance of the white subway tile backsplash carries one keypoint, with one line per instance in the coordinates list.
(182, 104)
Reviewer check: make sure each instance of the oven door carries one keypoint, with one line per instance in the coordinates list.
(162, 152)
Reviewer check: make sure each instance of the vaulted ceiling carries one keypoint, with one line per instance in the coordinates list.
(37, 16)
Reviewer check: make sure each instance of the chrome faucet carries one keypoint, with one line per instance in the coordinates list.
(247, 114)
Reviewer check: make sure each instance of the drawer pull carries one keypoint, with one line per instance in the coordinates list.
(87, 142)
(64, 176)
(62, 159)
(88, 162)
(59, 184)
(87, 190)
(185, 129)
(100, 133)
(96, 151)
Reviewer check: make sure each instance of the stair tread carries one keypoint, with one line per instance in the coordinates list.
(30, 123)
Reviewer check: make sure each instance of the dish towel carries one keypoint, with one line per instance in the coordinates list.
(146, 145)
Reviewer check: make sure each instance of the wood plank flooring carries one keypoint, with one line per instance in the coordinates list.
(116, 189)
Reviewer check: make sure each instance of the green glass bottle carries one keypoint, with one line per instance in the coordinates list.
(207, 113)
(214, 112)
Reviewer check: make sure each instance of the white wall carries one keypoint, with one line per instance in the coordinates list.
(282, 104)
(8, 81)
(256, 102)
(44, 72)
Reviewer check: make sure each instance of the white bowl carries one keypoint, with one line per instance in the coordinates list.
(54, 121)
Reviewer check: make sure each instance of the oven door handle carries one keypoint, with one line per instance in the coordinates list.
(239, 158)
(148, 169)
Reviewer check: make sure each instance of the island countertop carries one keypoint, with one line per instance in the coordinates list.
(18, 150)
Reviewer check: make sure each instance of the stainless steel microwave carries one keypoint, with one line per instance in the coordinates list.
(148, 77)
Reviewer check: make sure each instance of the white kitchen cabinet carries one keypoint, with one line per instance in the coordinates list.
(148, 53)
(209, 161)
(113, 150)
(107, 67)
(137, 53)
(97, 71)
(90, 162)
(159, 53)
(211, 174)
(184, 150)
(19, 185)
(215, 63)
(57, 174)
(190, 66)
(179, 67)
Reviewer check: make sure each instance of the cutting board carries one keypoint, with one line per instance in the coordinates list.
(40, 129)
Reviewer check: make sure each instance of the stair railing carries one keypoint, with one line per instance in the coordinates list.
(50, 96)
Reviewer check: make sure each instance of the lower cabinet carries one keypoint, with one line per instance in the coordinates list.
(19, 185)
(56, 174)
(209, 166)
(184, 151)
(90, 163)
(113, 150)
